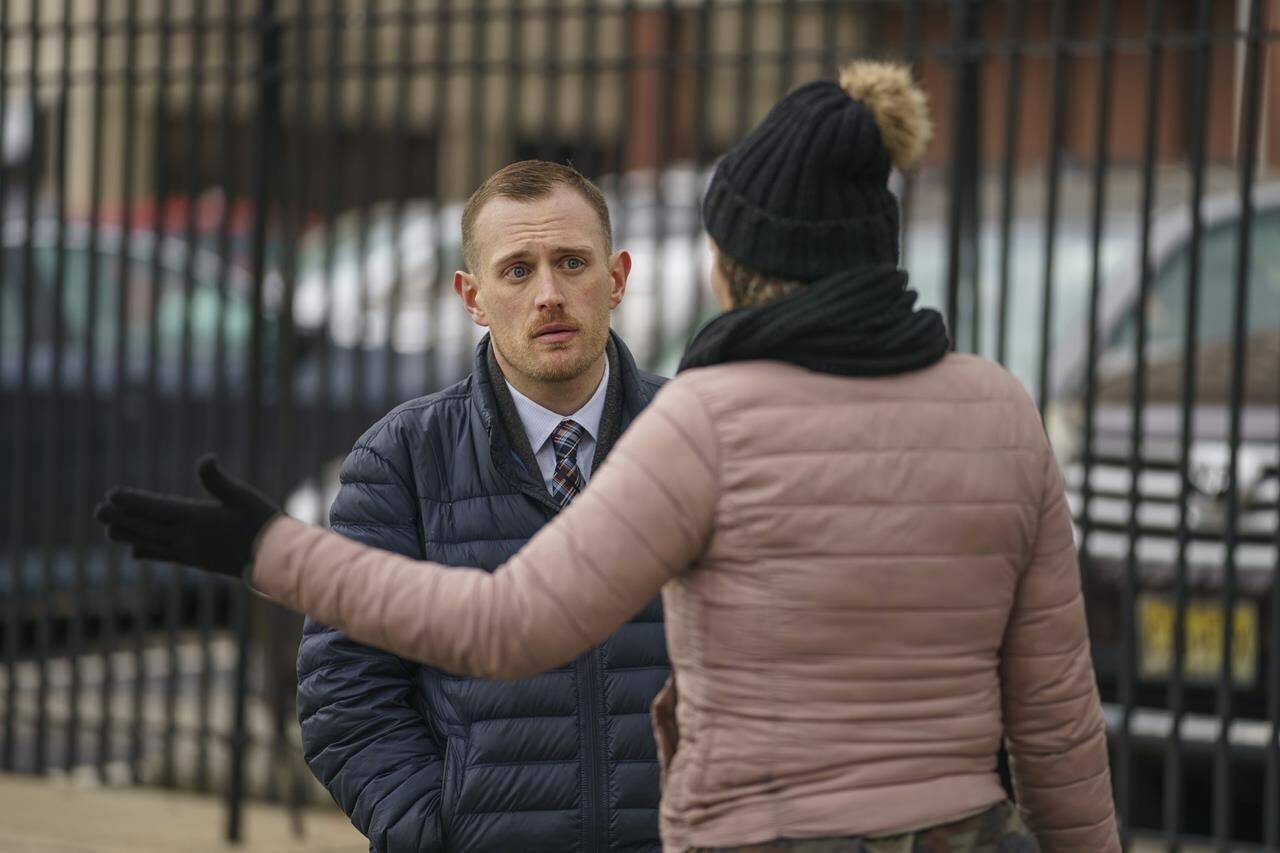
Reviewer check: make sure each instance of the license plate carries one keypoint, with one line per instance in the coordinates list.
(1202, 630)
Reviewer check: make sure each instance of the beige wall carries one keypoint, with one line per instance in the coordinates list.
(525, 101)
(515, 97)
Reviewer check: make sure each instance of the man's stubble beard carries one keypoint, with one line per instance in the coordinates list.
(548, 367)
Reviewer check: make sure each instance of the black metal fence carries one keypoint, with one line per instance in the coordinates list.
(231, 225)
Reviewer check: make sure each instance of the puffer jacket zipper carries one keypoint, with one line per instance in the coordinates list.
(595, 808)
(589, 671)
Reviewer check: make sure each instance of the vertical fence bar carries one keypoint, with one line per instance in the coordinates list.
(1224, 781)
(83, 416)
(588, 154)
(276, 462)
(225, 406)
(912, 46)
(1197, 127)
(124, 264)
(370, 194)
(326, 404)
(955, 206)
(702, 65)
(873, 26)
(1101, 156)
(277, 474)
(266, 138)
(22, 414)
(221, 420)
(1271, 758)
(1128, 627)
(660, 62)
(963, 161)
(746, 75)
(304, 166)
(285, 464)
(626, 108)
(183, 449)
(1016, 26)
(399, 229)
(1058, 84)
(365, 135)
(31, 287)
(220, 405)
(54, 411)
(830, 46)
(973, 53)
(512, 106)
(116, 461)
(439, 123)
(972, 220)
(550, 70)
(12, 612)
(148, 433)
(478, 155)
(108, 596)
(787, 61)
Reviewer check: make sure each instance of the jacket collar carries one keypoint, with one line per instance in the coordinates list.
(509, 446)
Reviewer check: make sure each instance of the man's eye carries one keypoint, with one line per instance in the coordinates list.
(518, 271)
(575, 263)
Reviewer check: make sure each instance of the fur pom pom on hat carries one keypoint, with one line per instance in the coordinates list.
(806, 193)
(900, 107)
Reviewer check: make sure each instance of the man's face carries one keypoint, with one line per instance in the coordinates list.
(543, 284)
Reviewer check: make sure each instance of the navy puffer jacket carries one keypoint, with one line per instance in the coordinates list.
(425, 761)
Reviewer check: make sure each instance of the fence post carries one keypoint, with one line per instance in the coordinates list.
(965, 166)
(266, 141)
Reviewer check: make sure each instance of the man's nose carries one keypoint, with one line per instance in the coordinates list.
(549, 294)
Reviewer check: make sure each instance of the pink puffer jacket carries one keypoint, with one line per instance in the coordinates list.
(868, 582)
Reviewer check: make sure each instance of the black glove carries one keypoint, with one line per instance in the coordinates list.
(216, 535)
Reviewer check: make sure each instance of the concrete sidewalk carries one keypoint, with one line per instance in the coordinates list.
(46, 815)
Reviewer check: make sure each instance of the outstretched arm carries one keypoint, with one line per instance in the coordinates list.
(645, 517)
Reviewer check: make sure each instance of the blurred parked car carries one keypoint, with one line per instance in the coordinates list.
(1153, 508)
(86, 295)
(82, 292)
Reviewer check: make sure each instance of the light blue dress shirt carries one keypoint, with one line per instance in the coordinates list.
(540, 422)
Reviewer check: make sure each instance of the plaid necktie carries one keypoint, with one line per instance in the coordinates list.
(567, 480)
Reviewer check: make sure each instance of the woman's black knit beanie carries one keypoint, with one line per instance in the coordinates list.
(806, 194)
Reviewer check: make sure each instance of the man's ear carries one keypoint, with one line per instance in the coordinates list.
(465, 285)
(619, 269)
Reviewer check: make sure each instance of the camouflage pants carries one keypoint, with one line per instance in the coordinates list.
(997, 830)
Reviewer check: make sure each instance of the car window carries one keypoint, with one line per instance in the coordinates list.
(1166, 308)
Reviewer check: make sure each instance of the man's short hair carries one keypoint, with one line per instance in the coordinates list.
(530, 180)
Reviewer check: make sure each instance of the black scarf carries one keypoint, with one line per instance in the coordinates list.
(858, 323)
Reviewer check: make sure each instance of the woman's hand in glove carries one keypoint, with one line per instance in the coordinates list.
(216, 535)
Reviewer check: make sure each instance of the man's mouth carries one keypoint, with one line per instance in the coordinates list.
(555, 333)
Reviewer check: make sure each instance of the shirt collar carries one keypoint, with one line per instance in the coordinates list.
(539, 422)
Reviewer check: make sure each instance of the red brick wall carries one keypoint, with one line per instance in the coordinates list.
(935, 64)
(1129, 83)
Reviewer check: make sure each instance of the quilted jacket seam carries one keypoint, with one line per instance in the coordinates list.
(368, 448)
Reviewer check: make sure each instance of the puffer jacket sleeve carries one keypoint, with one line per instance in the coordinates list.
(645, 517)
(1056, 734)
(362, 735)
